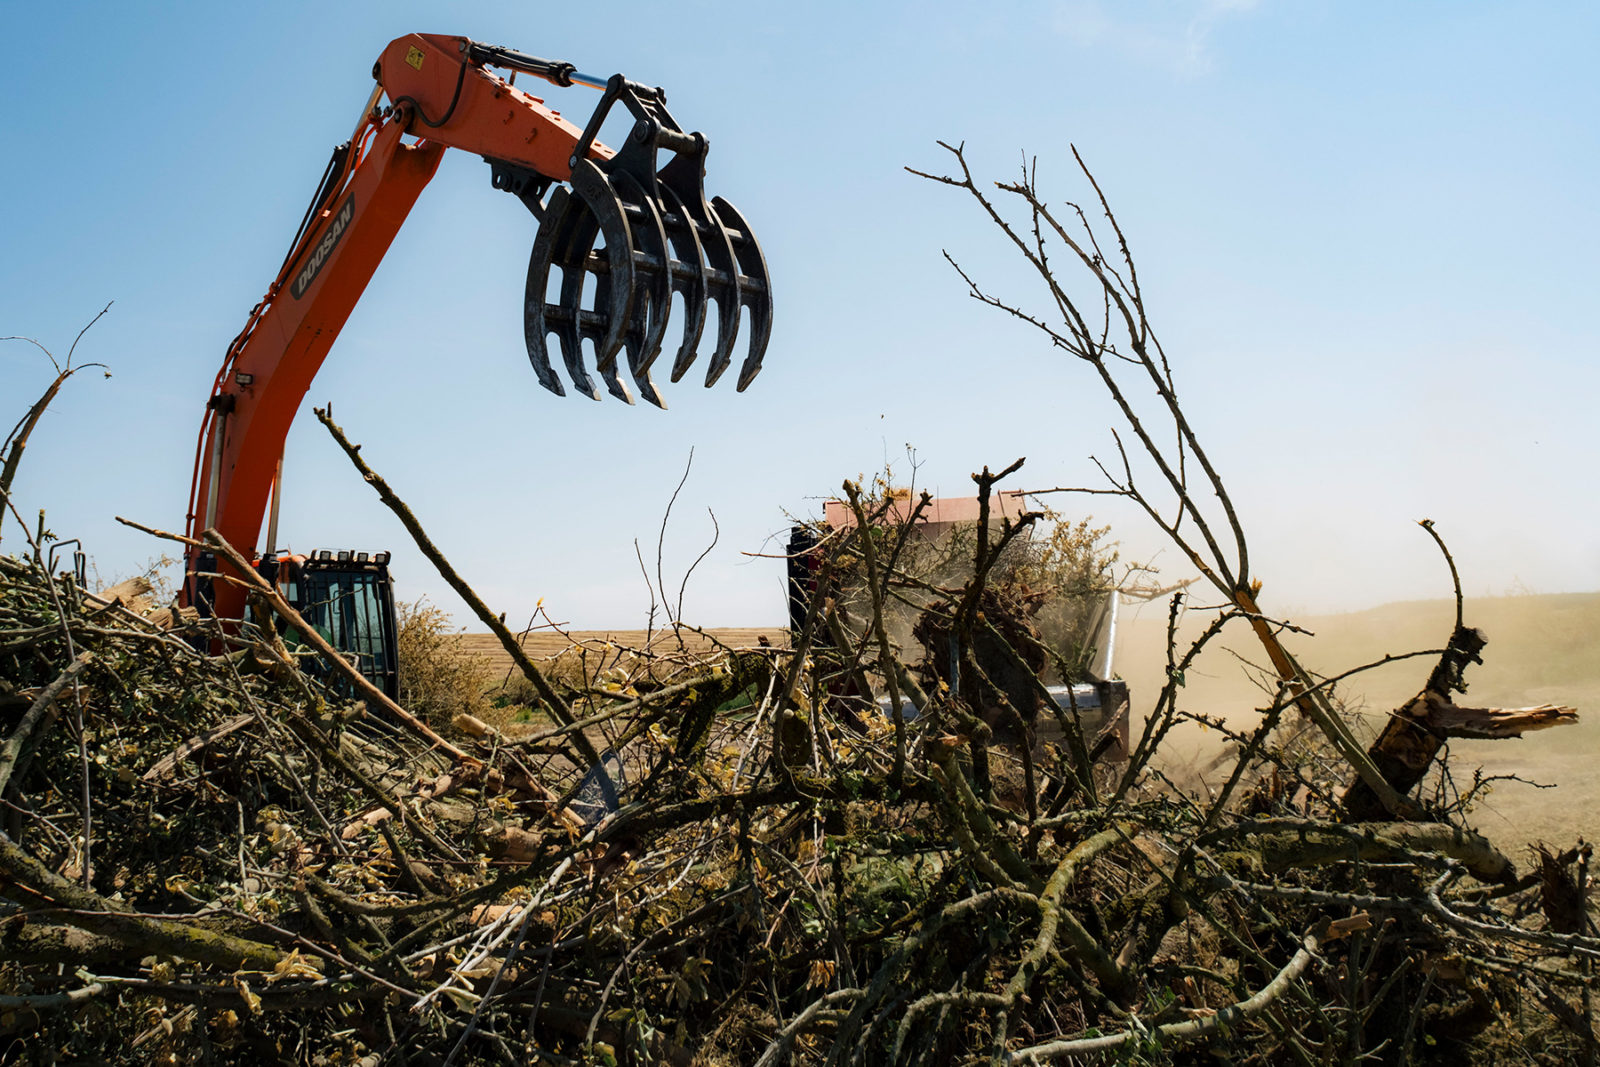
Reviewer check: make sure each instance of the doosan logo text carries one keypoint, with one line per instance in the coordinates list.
(324, 249)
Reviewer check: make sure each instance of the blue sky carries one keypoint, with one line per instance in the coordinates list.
(1366, 233)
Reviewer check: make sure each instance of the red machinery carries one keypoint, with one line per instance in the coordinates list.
(624, 228)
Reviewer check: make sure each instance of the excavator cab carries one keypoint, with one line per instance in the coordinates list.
(349, 598)
(346, 596)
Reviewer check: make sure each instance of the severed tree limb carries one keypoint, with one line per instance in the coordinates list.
(1193, 1029)
(541, 684)
(1453, 721)
(23, 940)
(51, 1001)
(989, 848)
(1057, 920)
(167, 766)
(145, 935)
(1284, 844)
(1570, 944)
(1414, 735)
(784, 1039)
(267, 998)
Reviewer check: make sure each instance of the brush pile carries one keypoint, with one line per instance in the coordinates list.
(219, 858)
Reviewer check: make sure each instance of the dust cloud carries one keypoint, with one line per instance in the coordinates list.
(1542, 649)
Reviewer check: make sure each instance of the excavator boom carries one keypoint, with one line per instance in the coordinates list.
(621, 234)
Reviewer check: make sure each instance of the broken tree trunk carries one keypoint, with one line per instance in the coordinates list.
(1415, 733)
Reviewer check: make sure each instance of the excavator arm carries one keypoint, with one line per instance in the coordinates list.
(620, 235)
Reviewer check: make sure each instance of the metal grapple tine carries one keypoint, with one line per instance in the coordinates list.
(607, 367)
(687, 275)
(535, 326)
(580, 230)
(612, 312)
(653, 303)
(690, 280)
(647, 388)
(755, 289)
(718, 268)
(719, 248)
(566, 233)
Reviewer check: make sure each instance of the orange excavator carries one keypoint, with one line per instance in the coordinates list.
(624, 235)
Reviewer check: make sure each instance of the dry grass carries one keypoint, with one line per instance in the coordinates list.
(439, 679)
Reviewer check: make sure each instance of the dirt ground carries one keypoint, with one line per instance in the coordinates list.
(1542, 649)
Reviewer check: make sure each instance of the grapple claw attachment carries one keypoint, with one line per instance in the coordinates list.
(627, 238)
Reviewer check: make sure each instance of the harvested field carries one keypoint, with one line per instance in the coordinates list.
(544, 645)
